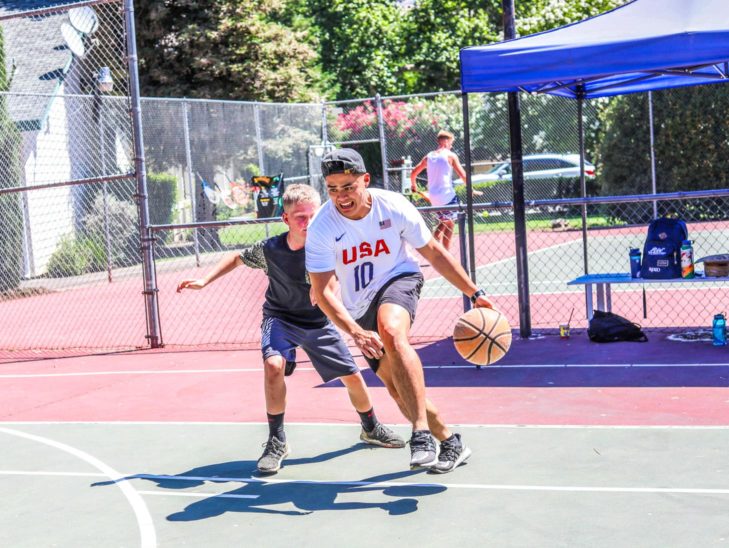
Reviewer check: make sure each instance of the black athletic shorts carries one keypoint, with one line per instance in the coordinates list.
(404, 290)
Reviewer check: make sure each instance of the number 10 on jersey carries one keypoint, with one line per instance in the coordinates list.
(363, 274)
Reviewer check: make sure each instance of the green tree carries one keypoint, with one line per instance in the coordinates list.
(436, 32)
(11, 247)
(225, 49)
(691, 146)
(540, 15)
(361, 45)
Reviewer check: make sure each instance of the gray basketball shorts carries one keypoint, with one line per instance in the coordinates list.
(403, 290)
(324, 345)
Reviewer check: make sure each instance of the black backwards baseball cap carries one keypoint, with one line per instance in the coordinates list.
(342, 160)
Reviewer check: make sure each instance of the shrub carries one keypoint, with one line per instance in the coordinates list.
(162, 192)
(75, 257)
(123, 229)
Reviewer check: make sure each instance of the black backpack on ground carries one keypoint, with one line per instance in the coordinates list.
(609, 327)
(662, 249)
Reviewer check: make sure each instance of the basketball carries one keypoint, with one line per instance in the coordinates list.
(482, 336)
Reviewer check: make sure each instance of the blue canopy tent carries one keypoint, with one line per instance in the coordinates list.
(642, 46)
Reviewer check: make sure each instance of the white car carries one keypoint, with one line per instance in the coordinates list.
(538, 166)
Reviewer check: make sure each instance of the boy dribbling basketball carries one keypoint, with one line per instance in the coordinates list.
(360, 237)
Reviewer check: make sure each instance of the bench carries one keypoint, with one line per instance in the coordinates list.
(603, 283)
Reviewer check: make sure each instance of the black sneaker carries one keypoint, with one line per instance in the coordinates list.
(275, 451)
(289, 369)
(422, 449)
(381, 435)
(452, 454)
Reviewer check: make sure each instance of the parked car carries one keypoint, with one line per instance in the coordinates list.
(538, 166)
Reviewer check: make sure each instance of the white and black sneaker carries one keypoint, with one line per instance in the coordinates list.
(422, 449)
(452, 454)
(381, 435)
(275, 451)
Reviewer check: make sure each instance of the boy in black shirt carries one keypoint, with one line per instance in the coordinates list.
(291, 319)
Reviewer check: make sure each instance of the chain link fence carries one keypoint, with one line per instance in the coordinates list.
(71, 276)
(67, 188)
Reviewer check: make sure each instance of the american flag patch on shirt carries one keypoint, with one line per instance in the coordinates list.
(387, 223)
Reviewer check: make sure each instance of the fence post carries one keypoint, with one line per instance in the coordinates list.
(324, 126)
(154, 332)
(190, 176)
(383, 142)
(259, 148)
(463, 248)
(105, 186)
(653, 152)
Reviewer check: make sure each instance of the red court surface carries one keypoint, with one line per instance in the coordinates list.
(569, 438)
(545, 381)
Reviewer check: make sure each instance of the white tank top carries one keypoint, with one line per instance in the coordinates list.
(440, 185)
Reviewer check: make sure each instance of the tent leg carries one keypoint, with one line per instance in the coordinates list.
(469, 190)
(583, 183)
(517, 183)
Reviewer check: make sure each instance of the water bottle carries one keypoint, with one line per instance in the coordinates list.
(634, 263)
(687, 259)
(718, 330)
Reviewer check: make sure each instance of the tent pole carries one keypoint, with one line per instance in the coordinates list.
(653, 152)
(583, 183)
(469, 189)
(517, 183)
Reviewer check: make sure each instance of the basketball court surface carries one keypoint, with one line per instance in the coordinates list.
(574, 444)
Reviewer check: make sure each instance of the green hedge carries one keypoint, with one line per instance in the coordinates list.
(162, 192)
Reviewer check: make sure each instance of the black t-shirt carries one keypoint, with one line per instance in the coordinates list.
(287, 296)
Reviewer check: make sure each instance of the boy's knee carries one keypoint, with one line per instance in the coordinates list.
(274, 366)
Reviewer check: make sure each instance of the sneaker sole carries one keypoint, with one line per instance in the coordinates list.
(372, 441)
(461, 459)
(428, 465)
(274, 470)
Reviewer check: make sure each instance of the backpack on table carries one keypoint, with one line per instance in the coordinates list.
(662, 249)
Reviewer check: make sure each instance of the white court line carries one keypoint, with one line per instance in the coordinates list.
(434, 485)
(197, 495)
(147, 534)
(358, 427)
(259, 369)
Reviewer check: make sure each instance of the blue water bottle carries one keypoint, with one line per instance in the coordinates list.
(634, 263)
(718, 329)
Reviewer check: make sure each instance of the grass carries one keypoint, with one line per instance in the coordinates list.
(493, 223)
(245, 235)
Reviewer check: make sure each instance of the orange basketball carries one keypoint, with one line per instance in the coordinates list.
(482, 336)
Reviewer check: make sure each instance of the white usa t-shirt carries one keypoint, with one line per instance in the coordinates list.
(368, 252)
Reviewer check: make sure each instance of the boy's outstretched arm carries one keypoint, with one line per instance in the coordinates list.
(225, 265)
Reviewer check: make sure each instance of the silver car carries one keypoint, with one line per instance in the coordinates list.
(538, 166)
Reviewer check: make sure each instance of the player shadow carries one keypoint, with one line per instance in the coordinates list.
(223, 472)
(306, 497)
(259, 492)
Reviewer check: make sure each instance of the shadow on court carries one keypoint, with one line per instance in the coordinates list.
(258, 493)
(549, 361)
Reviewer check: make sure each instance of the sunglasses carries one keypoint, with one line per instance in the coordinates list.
(339, 166)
